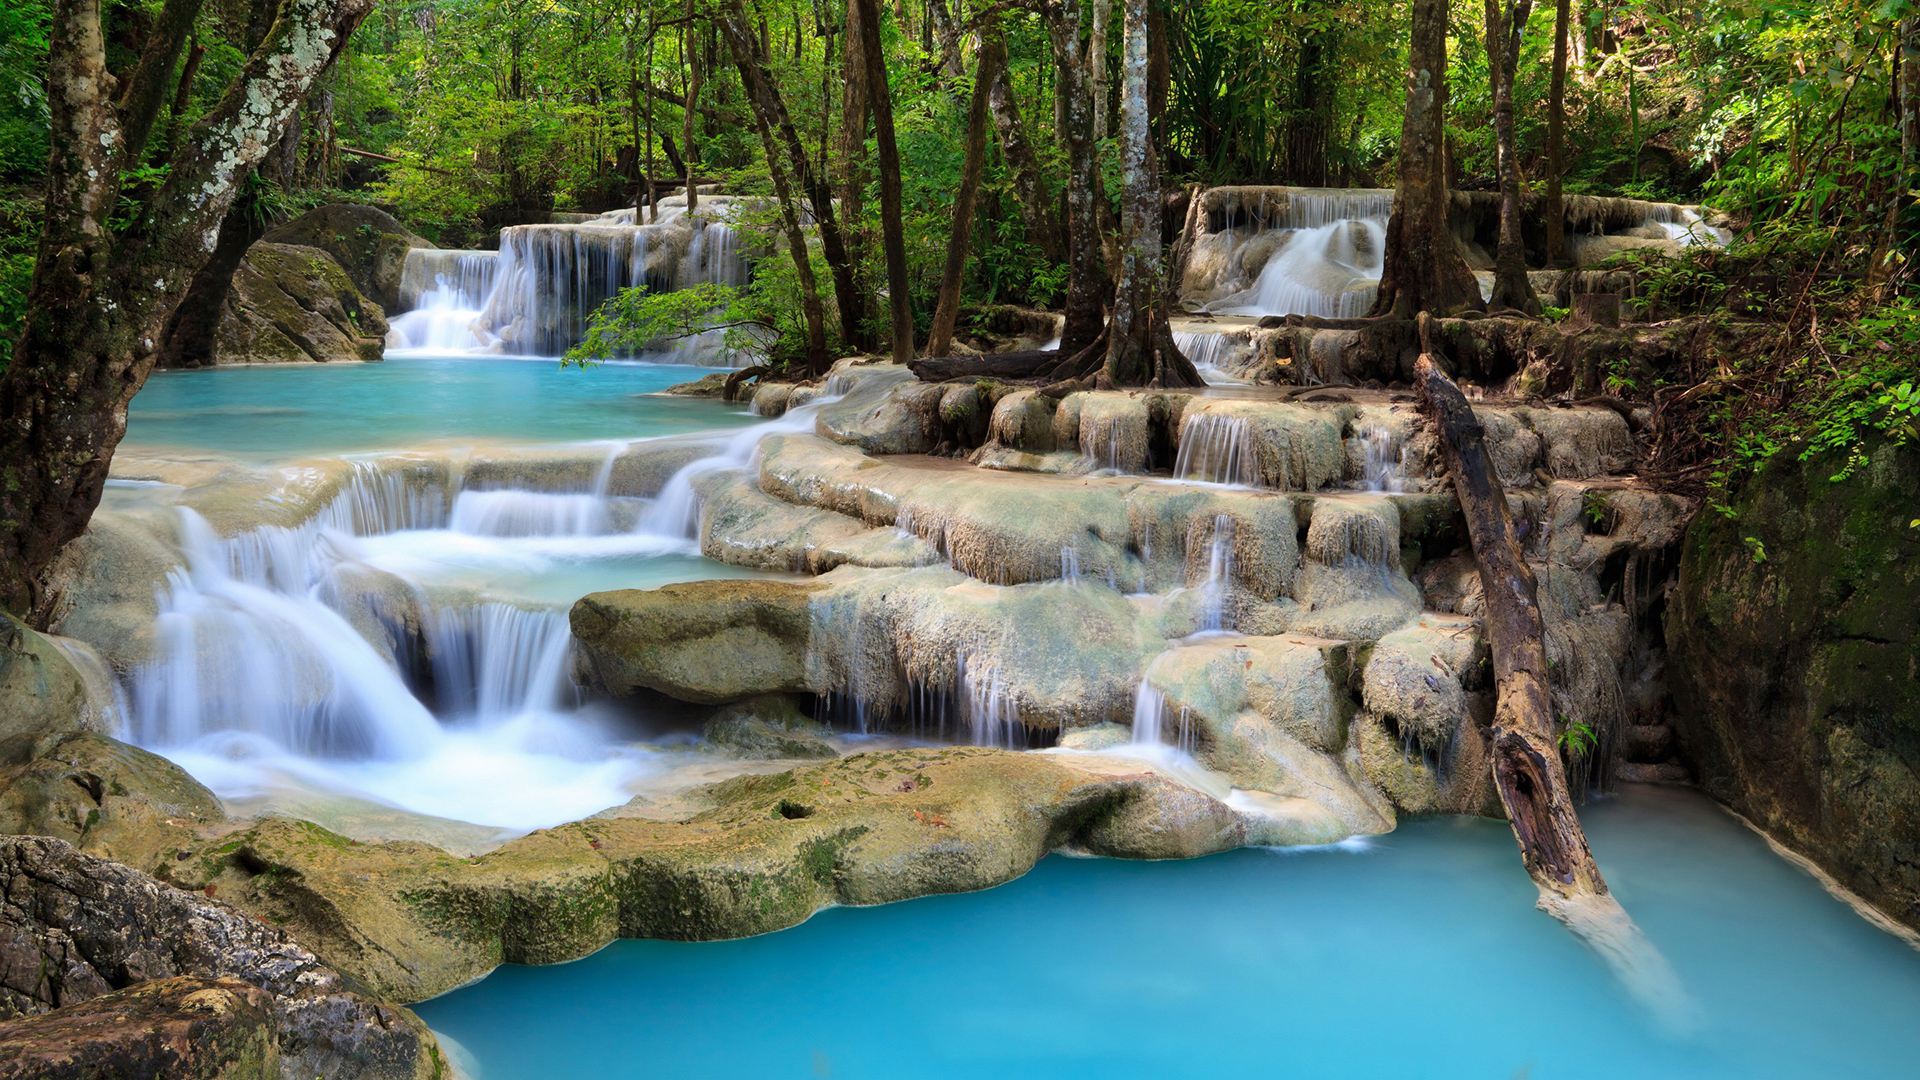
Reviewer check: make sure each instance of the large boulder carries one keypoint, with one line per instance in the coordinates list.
(74, 928)
(708, 642)
(367, 243)
(43, 696)
(109, 798)
(1795, 640)
(290, 304)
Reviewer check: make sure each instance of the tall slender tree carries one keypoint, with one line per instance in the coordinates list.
(1554, 208)
(1140, 348)
(1088, 285)
(946, 312)
(892, 209)
(1424, 270)
(1505, 23)
(105, 281)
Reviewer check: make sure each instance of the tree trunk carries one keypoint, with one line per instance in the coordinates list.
(101, 296)
(1042, 214)
(1511, 289)
(892, 211)
(1527, 770)
(1555, 208)
(1087, 283)
(1424, 270)
(1140, 347)
(771, 109)
(1097, 55)
(854, 177)
(812, 311)
(946, 311)
(1312, 119)
(691, 109)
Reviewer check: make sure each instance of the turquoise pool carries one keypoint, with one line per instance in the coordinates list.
(1417, 955)
(298, 409)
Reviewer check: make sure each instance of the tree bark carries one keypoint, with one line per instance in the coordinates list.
(101, 296)
(1044, 228)
(691, 109)
(1424, 270)
(854, 176)
(1527, 771)
(811, 309)
(1140, 347)
(1088, 286)
(771, 109)
(1555, 208)
(946, 311)
(1511, 289)
(1097, 54)
(892, 211)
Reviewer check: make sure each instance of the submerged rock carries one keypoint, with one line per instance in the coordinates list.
(75, 928)
(1795, 634)
(291, 304)
(771, 726)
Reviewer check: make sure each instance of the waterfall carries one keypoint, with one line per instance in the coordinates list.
(366, 651)
(1210, 353)
(1330, 258)
(993, 719)
(675, 513)
(1151, 716)
(1217, 587)
(1218, 449)
(1069, 565)
(1385, 466)
(536, 294)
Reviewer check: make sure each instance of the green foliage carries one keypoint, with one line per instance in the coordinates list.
(23, 98)
(1576, 739)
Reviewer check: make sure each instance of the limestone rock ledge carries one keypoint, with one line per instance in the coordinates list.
(77, 932)
(766, 852)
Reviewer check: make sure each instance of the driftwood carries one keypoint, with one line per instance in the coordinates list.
(1025, 364)
(1527, 771)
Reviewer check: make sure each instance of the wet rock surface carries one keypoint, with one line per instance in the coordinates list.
(1795, 632)
(367, 242)
(74, 928)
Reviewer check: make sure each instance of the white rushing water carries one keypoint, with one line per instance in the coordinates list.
(1332, 250)
(535, 295)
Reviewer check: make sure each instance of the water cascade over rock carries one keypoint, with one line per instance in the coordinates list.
(534, 296)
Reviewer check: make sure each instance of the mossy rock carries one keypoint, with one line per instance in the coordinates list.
(1795, 634)
(771, 726)
(368, 243)
(292, 304)
(107, 798)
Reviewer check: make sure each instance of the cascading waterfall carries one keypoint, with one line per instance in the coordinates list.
(536, 294)
(1330, 260)
(339, 653)
(1217, 449)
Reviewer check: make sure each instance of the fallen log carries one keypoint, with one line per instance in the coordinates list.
(1527, 771)
(1025, 364)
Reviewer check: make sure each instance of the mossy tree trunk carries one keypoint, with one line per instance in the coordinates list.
(1424, 270)
(854, 174)
(102, 292)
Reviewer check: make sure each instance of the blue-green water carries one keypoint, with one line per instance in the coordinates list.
(295, 409)
(1419, 956)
